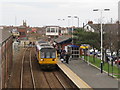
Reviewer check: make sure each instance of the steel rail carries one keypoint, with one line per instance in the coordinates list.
(67, 80)
(59, 80)
(47, 80)
(21, 79)
(33, 79)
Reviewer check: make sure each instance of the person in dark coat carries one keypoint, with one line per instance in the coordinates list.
(67, 58)
(62, 55)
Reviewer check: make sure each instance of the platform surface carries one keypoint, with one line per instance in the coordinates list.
(75, 79)
(92, 76)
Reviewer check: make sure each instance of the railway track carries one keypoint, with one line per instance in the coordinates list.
(31, 76)
(56, 80)
(52, 80)
(27, 77)
(67, 83)
(59, 80)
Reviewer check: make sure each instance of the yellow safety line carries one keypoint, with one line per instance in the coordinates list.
(66, 69)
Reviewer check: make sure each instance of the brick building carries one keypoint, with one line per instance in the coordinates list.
(23, 29)
(6, 40)
(119, 10)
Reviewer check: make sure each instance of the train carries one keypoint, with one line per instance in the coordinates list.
(46, 55)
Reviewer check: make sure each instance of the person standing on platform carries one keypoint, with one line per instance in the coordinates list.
(67, 58)
(62, 57)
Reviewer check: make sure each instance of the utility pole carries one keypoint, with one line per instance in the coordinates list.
(72, 17)
(101, 26)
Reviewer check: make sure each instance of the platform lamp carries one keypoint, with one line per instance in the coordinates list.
(101, 11)
(72, 27)
(72, 17)
(78, 20)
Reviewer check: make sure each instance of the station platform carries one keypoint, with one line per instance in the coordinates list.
(84, 75)
(73, 77)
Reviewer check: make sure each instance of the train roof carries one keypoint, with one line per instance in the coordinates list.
(39, 47)
(41, 42)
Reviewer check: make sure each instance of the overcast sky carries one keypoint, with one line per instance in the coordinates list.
(47, 12)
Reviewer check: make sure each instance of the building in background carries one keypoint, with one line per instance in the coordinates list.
(22, 30)
(64, 31)
(15, 33)
(119, 11)
(119, 27)
(6, 57)
(52, 31)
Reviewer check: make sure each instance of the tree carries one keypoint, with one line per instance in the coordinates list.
(83, 37)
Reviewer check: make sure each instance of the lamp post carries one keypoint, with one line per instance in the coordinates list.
(72, 27)
(101, 11)
(78, 20)
(61, 19)
(72, 17)
(61, 26)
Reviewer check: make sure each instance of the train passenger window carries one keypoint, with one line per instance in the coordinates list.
(47, 54)
(53, 54)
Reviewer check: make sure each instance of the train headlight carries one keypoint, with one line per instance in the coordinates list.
(42, 60)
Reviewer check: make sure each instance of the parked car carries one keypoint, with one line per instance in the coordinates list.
(114, 57)
(98, 54)
(117, 61)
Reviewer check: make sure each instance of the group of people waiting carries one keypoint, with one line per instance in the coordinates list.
(64, 56)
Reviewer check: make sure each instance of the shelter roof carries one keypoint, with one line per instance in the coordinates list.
(63, 38)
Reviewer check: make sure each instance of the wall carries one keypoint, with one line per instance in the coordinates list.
(22, 31)
(52, 31)
(119, 10)
(0, 57)
(6, 61)
(0, 70)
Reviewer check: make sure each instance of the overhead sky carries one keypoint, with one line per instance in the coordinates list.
(47, 12)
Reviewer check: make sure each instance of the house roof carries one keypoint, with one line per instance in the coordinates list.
(95, 26)
(21, 27)
(106, 27)
(4, 34)
(62, 38)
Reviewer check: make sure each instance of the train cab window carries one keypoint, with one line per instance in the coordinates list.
(53, 55)
(42, 55)
(47, 54)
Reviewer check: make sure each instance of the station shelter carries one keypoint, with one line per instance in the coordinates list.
(63, 41)
(74, 50)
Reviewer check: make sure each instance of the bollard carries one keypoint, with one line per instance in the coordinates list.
(101, 66)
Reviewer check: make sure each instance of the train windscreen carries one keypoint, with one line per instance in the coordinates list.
(48, 53)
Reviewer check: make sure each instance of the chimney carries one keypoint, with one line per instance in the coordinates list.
(90, 22)
(117, 22)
